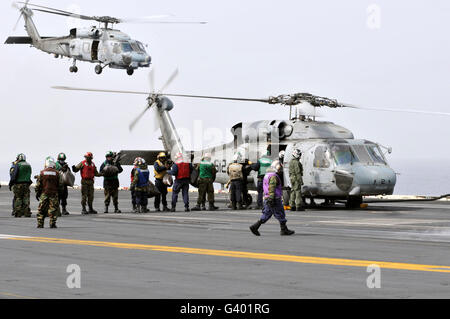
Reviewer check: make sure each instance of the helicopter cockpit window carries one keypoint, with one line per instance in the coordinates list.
(343, 154)
(141, 46)
(126, 47)
(321, 158)
(376, 154)
(362, 153)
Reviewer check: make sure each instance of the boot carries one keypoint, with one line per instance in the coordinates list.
(84, 211)
(293, 209)
(254, 228)
(233, 206)
(174, 209)
(203, 207)
(64, 211)
(157, 210)
(40, 226)
(117, 210)
(166, 209)
(187, 210)
(300, 209)
(92, 211)
(285, 231)
(212, 207)
(134, 208)
(144, 209)
(196, 208)
(53, 226)
(240, 207)
(106, 209)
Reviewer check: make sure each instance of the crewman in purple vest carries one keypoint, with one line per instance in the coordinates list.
(273, 201)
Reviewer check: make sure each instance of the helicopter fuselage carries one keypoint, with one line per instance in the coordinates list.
(336, 165)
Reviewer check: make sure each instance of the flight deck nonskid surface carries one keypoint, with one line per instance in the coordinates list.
(213, 254)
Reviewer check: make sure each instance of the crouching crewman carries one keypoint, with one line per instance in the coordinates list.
(47, 188)
(273, 201)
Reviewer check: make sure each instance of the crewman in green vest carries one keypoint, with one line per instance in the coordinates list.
(261, 167)
(206, 178)
(20, 182)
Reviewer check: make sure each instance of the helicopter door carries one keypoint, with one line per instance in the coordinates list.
(94, 51)
(322, 167)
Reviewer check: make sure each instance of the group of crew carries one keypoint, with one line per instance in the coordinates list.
(52, 187)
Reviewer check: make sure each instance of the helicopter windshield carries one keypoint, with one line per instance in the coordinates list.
(126, 47)
(343, 154)
(375, 154)
(137, 46)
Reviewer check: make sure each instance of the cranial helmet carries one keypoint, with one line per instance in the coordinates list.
(207, 156)
(282, 154)
(21, 157)
(237, 157)
(140, 161)
(109, 154)
(276, 166)
(162, 155)
(50, 162)
(89, 155)
(296, 153)
(62, 157)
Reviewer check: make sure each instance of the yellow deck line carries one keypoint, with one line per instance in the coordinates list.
(241, 254)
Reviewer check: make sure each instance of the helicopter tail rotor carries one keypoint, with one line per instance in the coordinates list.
(155, 100)
(15, 5)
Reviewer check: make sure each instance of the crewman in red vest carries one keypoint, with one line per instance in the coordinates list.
(182, 170)
(88, 172)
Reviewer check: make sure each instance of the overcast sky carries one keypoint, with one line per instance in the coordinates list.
(370, 53)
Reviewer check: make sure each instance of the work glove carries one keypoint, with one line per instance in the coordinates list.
(74, 168)
(38, 197)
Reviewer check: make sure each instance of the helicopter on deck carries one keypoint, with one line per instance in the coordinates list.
(336, 165)
(102, 45)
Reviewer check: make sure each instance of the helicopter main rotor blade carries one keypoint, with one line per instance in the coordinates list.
(59, 12)
(67, 88)
(396, 110)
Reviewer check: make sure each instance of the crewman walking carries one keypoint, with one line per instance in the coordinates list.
(236, 175)
(88, 172)
(206, 178)
(20, 174)
(140, 184)
(161, 167)
(296, 177)
(110, 170)
(182, 170)
(273, 201)
(47, 188)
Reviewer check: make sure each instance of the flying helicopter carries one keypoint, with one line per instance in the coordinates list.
(102, 45)
(337, 166)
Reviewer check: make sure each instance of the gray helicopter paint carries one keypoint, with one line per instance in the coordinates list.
(80, 47)
(363, 177)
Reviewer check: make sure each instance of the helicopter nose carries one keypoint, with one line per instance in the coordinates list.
(127, 59)
(373, 180)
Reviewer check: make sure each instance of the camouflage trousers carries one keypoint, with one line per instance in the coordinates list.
(22, 200)
(87, 192)
(48, 206)
(112, 193)
(205, 187)
(296, 196)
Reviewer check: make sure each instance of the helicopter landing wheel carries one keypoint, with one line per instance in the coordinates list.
(130, 71)
(98, 69)
(73, 69)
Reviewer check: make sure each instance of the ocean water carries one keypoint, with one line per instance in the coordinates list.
(415, 177)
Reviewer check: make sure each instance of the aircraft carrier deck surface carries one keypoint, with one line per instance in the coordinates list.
(205, 255)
